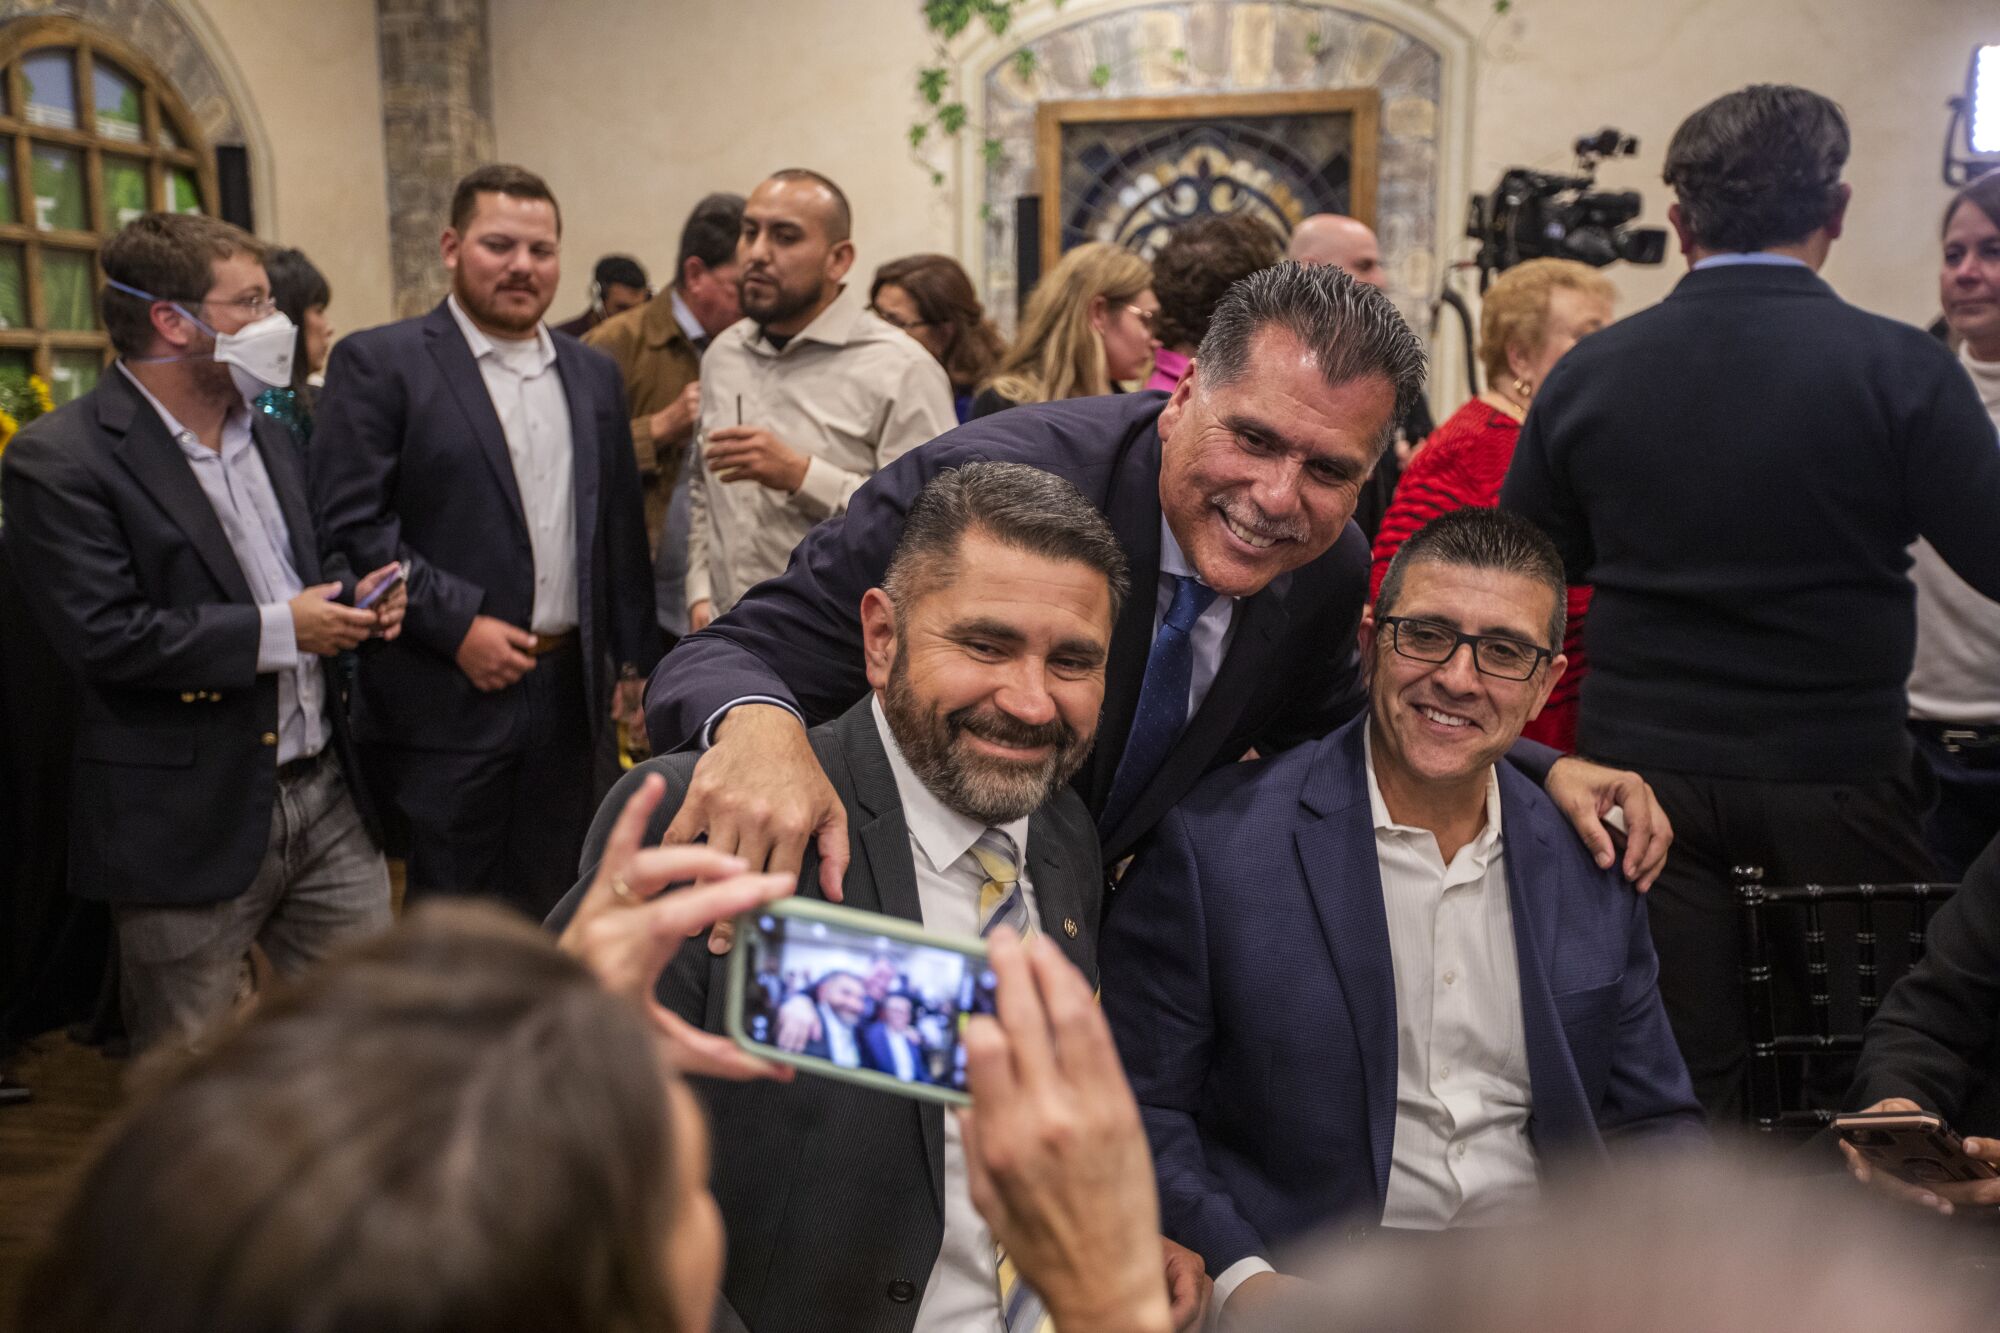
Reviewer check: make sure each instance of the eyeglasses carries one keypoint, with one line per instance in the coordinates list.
(1492, 654)
(256, 307)
(1148, 318)
(904, 324)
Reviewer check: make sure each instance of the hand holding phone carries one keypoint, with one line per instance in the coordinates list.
(382, 589)
(867, 999)
(1910, 1153)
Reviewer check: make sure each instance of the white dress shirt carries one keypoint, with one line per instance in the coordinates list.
(1212, 632)
(1958, 631)
(843, 1045)
(963, 1293)
(1461, 1154)
(527, 393)
(239, 491)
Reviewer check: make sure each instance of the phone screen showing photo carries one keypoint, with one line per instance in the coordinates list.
(859, 1000)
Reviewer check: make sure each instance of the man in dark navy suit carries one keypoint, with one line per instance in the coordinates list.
(1232, 500)
(160, 531)
(493, 458)
(1375, 980)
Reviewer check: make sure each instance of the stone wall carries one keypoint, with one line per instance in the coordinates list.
(437, 124)
(158, 29)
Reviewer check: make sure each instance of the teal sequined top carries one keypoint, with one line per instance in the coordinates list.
(288, 406)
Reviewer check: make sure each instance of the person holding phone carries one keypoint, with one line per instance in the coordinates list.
(985, 651)
(162, 537)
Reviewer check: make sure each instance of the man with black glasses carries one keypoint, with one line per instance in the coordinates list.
(1376, 980)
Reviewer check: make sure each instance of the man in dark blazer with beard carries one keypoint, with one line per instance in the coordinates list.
(492, 457)
(985, 651)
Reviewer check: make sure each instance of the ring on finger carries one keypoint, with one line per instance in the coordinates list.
(623, 891)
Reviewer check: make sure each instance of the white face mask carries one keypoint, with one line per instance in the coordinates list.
(259, 355)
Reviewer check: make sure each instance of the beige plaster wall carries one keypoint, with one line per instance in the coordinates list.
(309, 72)
(634, 108)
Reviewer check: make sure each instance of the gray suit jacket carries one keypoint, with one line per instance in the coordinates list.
(834, 1195)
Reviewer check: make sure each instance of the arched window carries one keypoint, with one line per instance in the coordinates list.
(91, 136)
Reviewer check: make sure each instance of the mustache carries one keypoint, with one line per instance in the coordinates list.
(991, 724)
(1246, 514)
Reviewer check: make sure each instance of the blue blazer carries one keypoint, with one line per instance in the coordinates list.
(409, 463)
(1247, 977)
(876, 1055)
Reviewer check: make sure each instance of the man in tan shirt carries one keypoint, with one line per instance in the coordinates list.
(805, 399)
(658, 349)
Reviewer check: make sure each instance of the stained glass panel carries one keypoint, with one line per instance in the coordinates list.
(1132, 182)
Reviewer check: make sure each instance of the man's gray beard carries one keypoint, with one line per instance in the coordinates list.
(993, 797)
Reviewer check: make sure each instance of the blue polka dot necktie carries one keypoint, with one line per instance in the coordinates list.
(1163, 699)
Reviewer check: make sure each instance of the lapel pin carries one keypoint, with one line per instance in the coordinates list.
(1069, 926)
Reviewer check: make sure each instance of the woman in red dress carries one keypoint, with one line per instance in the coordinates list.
(1533, 313)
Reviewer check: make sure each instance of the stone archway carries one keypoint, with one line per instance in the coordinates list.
(1417, 63)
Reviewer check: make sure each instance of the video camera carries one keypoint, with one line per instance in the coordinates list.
(1538, 215)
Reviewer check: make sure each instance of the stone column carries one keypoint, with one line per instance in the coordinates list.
(437, 124)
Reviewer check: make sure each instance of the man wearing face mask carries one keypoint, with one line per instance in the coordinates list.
(493, 458)
(164, 541)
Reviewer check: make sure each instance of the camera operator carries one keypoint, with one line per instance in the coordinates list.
(1738, 472)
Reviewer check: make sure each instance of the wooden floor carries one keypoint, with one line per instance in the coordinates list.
(41, 1144)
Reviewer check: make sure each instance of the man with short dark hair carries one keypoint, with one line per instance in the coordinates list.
(1739, 473)
(492, 457)
(658, 348)
(1232, 499)
(984, 647)
(162, 536)
(1374, 980)
(617, 284)
(805, 399)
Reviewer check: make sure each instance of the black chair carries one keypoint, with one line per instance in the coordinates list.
(1776, 1102)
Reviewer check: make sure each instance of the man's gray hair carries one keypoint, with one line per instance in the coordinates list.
(1352, 330)
(1018, 506)
(1482, 539)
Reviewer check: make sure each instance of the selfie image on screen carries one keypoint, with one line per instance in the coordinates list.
(863, 1001)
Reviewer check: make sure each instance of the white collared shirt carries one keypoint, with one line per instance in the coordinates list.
(843, 1046)
(690, 326)
(1461, 1154)
(1211, 632)
(239, 491)
(963, 1293)
(527, 393)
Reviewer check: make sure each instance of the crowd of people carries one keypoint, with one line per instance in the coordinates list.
(1168, 649)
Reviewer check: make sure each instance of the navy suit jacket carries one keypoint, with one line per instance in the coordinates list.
(127, 568)
(1248, 979)
(1291, 673)
(409, 463)
(876, 1053)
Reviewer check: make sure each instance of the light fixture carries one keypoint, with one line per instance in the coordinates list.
(1982, 95)
(1979, 110)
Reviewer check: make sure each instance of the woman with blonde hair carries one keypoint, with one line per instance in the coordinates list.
(1533, 313)
(1089, 325)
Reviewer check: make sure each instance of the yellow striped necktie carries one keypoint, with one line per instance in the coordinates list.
(1002, 901)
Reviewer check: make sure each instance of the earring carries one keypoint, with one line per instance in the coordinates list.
(1523, 390)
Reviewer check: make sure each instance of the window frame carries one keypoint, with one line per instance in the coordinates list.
(161, 107)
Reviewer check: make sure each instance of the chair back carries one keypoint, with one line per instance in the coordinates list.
(1776, 1070)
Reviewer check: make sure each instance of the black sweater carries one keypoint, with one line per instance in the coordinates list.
(1739, 472)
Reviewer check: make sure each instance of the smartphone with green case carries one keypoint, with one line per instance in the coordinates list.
(871, 1000)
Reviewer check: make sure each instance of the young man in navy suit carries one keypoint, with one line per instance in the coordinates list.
(1376, 980)
(492, 457)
